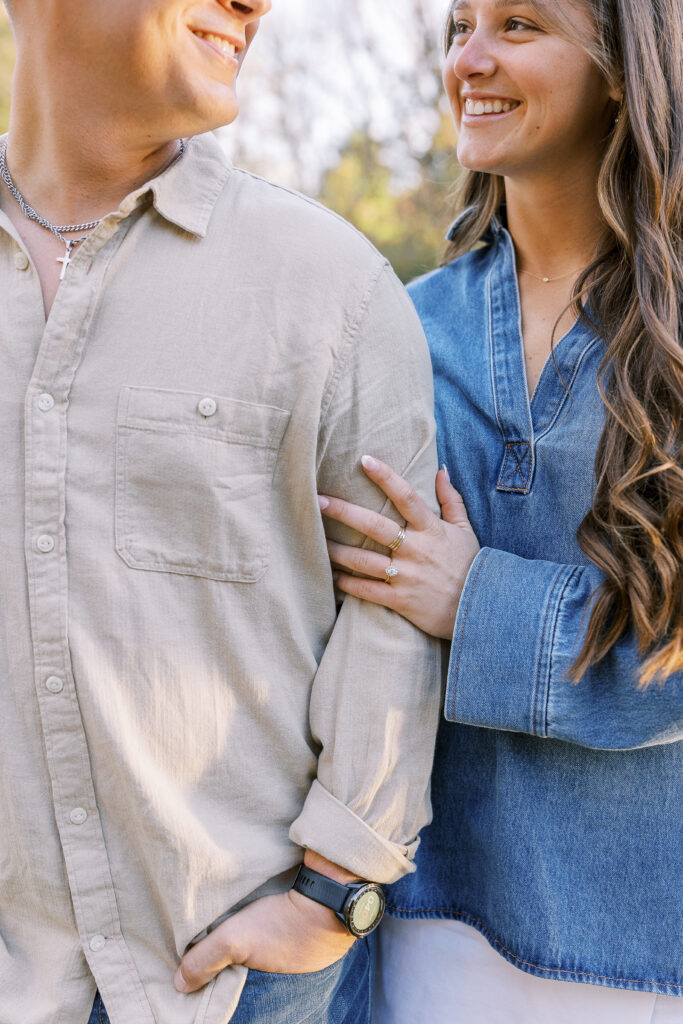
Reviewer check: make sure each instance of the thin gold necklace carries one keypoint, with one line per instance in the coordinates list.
(549, 280)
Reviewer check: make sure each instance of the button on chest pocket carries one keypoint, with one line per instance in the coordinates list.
(193, 483)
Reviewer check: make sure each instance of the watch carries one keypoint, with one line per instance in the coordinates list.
(359, 906)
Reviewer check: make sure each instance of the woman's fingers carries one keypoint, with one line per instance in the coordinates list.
(406, 500)
(370, 524)
(369, 563)
(452, 506)
(367, 590)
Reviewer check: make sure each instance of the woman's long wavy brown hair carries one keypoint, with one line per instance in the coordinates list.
(634, 290)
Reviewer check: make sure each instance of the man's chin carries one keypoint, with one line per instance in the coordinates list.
(212, 116)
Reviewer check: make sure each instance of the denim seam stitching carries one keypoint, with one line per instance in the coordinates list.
(560, 599)
(529, 963)
(589, 347)
(540, 686)
(492, 357)
(462, 629)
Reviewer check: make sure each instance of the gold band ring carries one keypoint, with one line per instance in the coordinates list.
(395, 544)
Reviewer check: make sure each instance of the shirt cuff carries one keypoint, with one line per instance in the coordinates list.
(331, 829)
(500, 666)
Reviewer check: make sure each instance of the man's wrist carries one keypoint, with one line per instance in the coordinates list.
(316, 862)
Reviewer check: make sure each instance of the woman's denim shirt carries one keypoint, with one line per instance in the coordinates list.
(558, 808)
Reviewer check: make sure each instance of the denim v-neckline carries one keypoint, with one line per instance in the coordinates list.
(524, 419)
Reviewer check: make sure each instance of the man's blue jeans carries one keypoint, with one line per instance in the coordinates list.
(338, 995)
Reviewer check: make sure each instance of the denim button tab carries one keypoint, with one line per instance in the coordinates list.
(517, 468)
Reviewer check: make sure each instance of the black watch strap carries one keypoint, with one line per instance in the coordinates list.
(322, 889)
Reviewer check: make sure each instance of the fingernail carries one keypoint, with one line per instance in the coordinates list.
(445, 470)
(368, 462)
(179, 982)
(323, 502)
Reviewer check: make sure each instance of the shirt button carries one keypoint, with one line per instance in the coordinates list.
(45, 402)
(45, 543)
(21, 261)
(97, 943)
(54, 684)
(207, 407)
(78, 815)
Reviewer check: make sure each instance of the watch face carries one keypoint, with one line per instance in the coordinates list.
(365, 910)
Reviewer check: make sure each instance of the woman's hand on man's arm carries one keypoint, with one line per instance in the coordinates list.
(431, 563)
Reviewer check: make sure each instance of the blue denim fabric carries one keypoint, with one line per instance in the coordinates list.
(557, 825)
(338, 995)
(99, 1014)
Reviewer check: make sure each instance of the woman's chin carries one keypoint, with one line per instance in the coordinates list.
(473, 160)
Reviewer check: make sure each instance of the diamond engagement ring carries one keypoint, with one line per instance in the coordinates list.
(391, 572)
(395, 544)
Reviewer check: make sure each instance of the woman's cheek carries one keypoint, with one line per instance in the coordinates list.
(452, 86)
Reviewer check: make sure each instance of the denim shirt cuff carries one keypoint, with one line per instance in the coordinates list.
(500, 667)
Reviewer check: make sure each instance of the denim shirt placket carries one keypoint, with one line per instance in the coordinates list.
(508, 375)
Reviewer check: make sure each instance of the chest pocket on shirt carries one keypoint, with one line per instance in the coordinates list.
(193, 483)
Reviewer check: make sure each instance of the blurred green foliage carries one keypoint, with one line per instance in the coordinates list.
(6, 66)
(408, 227)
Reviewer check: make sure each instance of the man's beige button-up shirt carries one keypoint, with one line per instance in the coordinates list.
(183, 709)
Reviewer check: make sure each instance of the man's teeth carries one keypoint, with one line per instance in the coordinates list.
(228, 48)
(478, 107)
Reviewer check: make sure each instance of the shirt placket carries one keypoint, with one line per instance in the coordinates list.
(46, 553)
(508, 373)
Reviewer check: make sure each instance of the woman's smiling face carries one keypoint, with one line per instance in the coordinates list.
(525, 98)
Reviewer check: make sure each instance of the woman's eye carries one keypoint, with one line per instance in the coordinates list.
(460, 27)
(517, 25)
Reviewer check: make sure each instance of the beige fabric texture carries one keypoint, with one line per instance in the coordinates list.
(183, 708)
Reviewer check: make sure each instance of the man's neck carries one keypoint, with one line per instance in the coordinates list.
(556, 222)
(76, 169)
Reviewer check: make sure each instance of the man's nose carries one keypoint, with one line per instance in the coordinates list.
(250, 11)
(476, 57)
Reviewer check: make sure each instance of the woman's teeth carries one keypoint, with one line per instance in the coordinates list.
(478, 107)
(228, 49)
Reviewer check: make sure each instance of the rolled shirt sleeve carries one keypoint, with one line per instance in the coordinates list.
(520, 626)
(376, 696)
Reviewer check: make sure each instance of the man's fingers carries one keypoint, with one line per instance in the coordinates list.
(203, 962)
(406, 500)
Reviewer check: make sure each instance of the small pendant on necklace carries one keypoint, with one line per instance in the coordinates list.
(546, 280)
(65, 260)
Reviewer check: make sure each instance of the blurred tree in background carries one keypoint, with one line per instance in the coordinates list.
(6, 65)
(347, 106)
(343, 101)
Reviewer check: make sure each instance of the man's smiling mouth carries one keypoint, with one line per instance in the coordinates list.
(220, 42)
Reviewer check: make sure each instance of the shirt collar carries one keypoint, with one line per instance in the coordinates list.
(494, 229)
(186, 193)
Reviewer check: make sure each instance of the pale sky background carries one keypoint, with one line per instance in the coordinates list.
(312, 53)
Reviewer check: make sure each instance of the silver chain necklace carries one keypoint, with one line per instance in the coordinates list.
(58, 230)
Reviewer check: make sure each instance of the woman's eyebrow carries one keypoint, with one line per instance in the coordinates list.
(461, 5)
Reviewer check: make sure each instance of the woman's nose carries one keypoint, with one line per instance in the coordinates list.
(474, 58)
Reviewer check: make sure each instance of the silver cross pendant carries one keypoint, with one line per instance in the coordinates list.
(65, 260)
